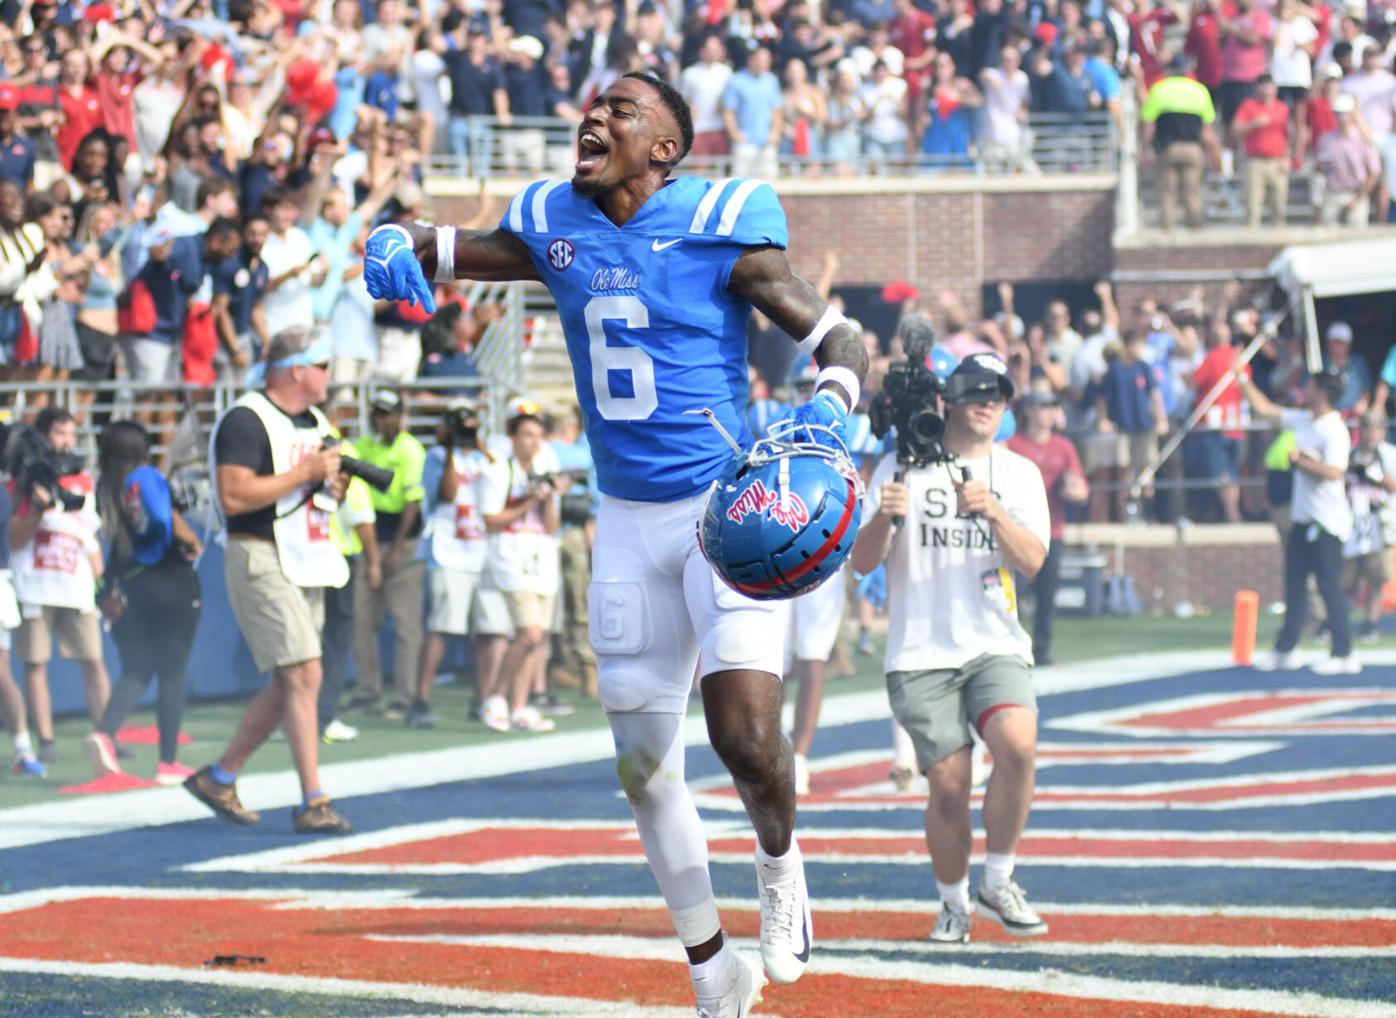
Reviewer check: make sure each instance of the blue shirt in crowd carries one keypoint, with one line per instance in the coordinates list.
(754, 100)
(1128, 390)
(171, 284)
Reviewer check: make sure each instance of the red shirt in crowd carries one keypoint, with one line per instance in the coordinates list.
(1203, 44)
(1146, 36)
(1322, 119)
(913, 34)
(1244, 61)
(1271, 139)
(1227, 412)
(116, 93)
(82, 114)
(1056, 458)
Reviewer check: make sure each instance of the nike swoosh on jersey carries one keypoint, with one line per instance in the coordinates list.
(658, 246)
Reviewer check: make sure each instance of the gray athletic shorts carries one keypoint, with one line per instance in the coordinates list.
(940, 708)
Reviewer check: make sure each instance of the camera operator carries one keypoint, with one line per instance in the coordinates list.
(1371, 482)
(973, 514)
(399, 524)
(57, 561)
(1322, 520)
(521, 513)
(272, 472)
(460, 604)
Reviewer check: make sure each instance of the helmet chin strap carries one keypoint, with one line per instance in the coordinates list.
(712, 419)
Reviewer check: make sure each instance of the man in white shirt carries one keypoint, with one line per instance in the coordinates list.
(1007, 92)
(702, 86)
(957, 658)
(1322, 520)
(294, 270)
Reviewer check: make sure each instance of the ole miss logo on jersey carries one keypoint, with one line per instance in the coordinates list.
(561, 253)
(757, 498)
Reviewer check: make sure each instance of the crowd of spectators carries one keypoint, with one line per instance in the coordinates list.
(1288, 86)
(1124, 381)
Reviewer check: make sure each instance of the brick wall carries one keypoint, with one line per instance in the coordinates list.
(1202, 565)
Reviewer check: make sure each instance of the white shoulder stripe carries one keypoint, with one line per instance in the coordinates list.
(516, 211)
(706, 206)
(728, 222)
(540, 198)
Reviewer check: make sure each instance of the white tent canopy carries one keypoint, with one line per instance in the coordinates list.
(1337, 270)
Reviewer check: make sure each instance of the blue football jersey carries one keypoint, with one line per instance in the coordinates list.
(650, 327)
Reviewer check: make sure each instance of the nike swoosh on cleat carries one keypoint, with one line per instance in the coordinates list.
(657, 246)
(804, 955)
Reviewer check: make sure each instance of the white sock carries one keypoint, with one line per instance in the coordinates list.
(777, 869)
(955, 895)
(998, 867)
(715, 971)
(23, 745)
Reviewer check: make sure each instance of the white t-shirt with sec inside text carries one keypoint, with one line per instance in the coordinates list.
(950, 598)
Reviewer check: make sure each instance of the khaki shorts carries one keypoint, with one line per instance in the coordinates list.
(529, 610)
(461, 603)
(79, 634)
(939, 709)
(1373, 568)
(280, 621)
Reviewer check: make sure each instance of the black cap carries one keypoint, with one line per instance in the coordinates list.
(979, 378)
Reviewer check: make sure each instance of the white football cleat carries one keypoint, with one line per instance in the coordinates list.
(1279, 661)
(740, 996)
(787, 932)
(952, 926)
(1337, 666)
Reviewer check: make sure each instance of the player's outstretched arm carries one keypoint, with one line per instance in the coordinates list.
(762, 276)
(400, 259)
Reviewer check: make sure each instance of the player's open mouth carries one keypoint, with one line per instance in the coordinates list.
(590, 151)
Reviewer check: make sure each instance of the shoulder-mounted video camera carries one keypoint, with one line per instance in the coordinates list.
(34, 464)
(907, 404)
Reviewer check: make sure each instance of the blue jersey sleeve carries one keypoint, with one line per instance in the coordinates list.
(744, 212)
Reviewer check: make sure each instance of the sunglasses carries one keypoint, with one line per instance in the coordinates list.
(530, 408)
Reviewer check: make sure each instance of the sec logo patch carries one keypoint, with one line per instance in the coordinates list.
(561, 253)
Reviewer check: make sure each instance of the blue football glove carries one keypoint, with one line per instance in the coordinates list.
(824, 409)
(391, 269)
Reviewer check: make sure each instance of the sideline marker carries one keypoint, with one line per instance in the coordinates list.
(1243, 627)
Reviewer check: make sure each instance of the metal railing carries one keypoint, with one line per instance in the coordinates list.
(546, 146)
(181, 420)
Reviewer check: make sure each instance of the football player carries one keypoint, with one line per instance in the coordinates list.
(654, 279)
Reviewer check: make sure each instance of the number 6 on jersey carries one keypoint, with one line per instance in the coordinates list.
(606, 358)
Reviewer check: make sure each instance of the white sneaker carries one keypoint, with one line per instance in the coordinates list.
(903, 777)
(1008, 906)
(787, 933)
(801, 774)
(1337, 666)
(101, 754)
(494, 712)
(740, 996)
(338, 731)
(1279, 661)
(952, 926)
(527, 719)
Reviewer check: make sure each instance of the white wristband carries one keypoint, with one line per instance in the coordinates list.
(827, 321)
(844, 377)
(445, 254)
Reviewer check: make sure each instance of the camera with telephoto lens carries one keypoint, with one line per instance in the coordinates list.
(907, 403)
(462, 426)
(35, 464)
(575, 508)
(377, 477)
